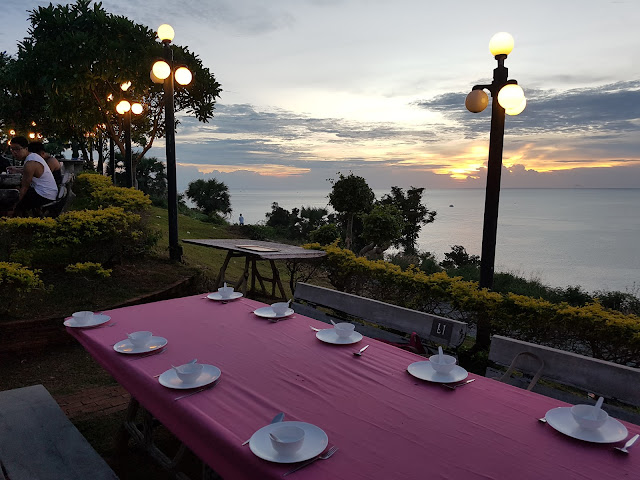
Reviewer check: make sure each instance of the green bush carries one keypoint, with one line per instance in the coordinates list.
(16, 281)
(589, 329)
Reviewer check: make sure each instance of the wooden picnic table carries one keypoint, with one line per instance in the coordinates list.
(252, 251)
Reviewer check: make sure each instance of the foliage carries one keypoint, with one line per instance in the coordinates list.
(589, 329)
(152, 179)
(94, 191)
(211, 196)
(380, 228)
(325, 235)
(75, 56)
(458, 257)
(89, 269)
(414, 214)
(16, 281)
(351, 196)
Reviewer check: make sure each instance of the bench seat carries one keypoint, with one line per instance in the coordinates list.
(38, 442)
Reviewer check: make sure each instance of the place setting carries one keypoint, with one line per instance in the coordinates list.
(440, 368)
(139, 343)
(87, 319)
(290, 442)
(224, 294)
(342, 333)
(189, 376)
(275, 311)
(588, 423)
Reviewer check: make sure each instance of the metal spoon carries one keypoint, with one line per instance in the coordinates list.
(359, 352)
(628, 444)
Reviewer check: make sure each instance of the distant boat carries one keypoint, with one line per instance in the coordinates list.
(451, 205)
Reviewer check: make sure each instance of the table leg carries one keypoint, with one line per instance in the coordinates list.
(276, 280)
(223, 269)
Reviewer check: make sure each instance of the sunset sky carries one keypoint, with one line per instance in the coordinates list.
(316, 87)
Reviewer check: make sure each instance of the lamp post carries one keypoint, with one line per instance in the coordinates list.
(508, 98)
(126, 109)
(163, 72)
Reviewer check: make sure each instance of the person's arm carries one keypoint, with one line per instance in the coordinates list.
(28, 172)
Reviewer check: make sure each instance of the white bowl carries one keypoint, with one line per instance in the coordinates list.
(139, 339)
(280, 308)
(344, 329)
(583, 414)
(189, 372)
(447, 364)
(83, 317)
(289, 439)
(225, 292)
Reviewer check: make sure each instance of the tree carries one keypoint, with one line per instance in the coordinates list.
(152, 179)
(381, 227)
(68, 72)
(351, 196)
(312, 218)
(414, 214)
(458, 257)
(210, 196)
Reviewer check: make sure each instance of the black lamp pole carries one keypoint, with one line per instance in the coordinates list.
(175, 250)
(112, 160)
(127, 149)
(494, 172)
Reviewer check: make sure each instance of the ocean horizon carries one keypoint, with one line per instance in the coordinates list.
(561, 237)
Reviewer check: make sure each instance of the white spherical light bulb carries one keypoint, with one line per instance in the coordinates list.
(165, 32)
(123, 107)
(136, 108)
(161, 69)
(183, 76)
(501, 44)
(510, 96)
(476, 101)
(517, 110)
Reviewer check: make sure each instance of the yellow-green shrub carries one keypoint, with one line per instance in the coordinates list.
(590, 330)
(16, 281)
(89, 269)
(96, 191)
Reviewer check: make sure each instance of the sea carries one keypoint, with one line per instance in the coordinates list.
(561, 237)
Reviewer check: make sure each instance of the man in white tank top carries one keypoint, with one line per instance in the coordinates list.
(38, 185)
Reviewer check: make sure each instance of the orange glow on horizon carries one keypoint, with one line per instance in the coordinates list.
(269, 170)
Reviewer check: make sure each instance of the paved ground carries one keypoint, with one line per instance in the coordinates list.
(93, 402)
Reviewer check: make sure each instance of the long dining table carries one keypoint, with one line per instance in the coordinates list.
(387, 423)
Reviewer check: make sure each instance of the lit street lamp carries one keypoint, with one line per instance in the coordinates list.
(125, 108)
(163, 72)
(508, 98)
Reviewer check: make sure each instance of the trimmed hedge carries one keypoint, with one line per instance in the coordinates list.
(591, 330)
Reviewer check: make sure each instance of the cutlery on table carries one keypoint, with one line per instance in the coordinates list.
(628, 444)
(453, 387)
(359, 352)
(278, 418)
(314, 328)
(323, 456)
(196, 391)
(542, 420)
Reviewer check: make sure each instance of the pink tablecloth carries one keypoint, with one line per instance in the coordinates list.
(387, 424)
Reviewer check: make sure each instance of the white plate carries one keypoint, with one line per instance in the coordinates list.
(267, 312)
(424, 371)
(208, 375)
(218, 297)
(125, 346)
(93, 322)
(329, 335)
(315, 441)
(561, 419)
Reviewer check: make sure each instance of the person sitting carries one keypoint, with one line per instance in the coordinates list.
(38, 185)
(54, 164)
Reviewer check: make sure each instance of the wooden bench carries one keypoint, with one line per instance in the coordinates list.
(611, 380)
(376, 319)
(37, 441)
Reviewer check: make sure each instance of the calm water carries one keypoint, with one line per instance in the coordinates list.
(586, 237)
